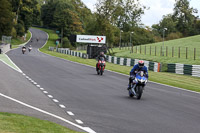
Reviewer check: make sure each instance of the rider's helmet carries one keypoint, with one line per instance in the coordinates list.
(102, 53)
(141, 63)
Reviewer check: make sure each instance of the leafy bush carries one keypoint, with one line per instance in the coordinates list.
(66, 43)
(176, 35)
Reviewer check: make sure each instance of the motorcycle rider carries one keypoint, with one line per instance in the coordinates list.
(23, 48)
(138, 67)
(29, 48)
(99, 57)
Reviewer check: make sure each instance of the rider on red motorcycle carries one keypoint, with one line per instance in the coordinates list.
(98, 58)
(138, 67)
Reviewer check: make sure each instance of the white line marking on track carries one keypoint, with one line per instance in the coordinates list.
(87, 129)
(34, 83)
(62, 106)
(79, 121)
(45, 92)
(50, 96)
(55, 100)
(70, 113)
(38, 86)
(24, 74)
(41, 88)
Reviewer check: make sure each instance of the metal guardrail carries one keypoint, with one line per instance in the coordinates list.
(69, 52)
(193, 70)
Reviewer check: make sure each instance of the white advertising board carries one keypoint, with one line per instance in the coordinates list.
(90, 39)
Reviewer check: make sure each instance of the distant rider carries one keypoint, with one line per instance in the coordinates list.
(99, 57)
(136, 68)
(29, 48)
(24, 47)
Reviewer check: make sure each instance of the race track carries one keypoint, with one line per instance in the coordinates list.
(102, 102)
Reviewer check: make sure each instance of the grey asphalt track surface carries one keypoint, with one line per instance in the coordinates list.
(102, 102)
(15, 85)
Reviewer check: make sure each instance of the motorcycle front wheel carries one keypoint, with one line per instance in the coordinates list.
(101, 70)
(139, 92)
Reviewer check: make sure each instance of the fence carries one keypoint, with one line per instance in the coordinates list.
(168, 51)
(84, 47)
(193, 70)
(69, 52)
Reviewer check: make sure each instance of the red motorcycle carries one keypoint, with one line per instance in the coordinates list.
(101, 66)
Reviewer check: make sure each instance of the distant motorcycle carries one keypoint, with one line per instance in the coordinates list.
(29, 49)
(101, 66)
(23, 50)
(137, 86)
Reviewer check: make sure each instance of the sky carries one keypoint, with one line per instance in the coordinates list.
(158, 8)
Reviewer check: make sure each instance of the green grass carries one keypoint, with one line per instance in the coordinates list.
(182, 81)
(4, 58)
(155, 54)
(14, 123)
(18, 41)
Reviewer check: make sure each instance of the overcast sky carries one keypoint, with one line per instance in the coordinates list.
(158, 8)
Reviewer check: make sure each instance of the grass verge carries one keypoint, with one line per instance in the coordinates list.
(182, 81)
(14, 123)
(17, 41)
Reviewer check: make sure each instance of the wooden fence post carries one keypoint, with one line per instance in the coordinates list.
(186, 52)
(155, 50)
(179, 52)
(194, 53)
(161, 51)
(150, 50)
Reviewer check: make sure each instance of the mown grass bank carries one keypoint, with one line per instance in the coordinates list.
(14, 123)
(170, 51)
(182, 81)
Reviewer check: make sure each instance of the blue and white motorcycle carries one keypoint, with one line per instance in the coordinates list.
(138, 84)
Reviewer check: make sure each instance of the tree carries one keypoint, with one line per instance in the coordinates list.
(27, 12)
(183, 16)
(6, 18)
(125, 15)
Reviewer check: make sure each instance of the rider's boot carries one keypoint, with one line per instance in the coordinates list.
(129, 87)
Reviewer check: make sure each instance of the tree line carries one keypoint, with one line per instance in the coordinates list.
(112, 18)
(181, 23)
(16, 16)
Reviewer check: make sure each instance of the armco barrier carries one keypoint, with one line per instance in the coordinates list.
(193, 70)
(153, 66)
(69, 52)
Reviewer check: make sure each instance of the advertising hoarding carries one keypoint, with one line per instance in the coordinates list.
(91, 39)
